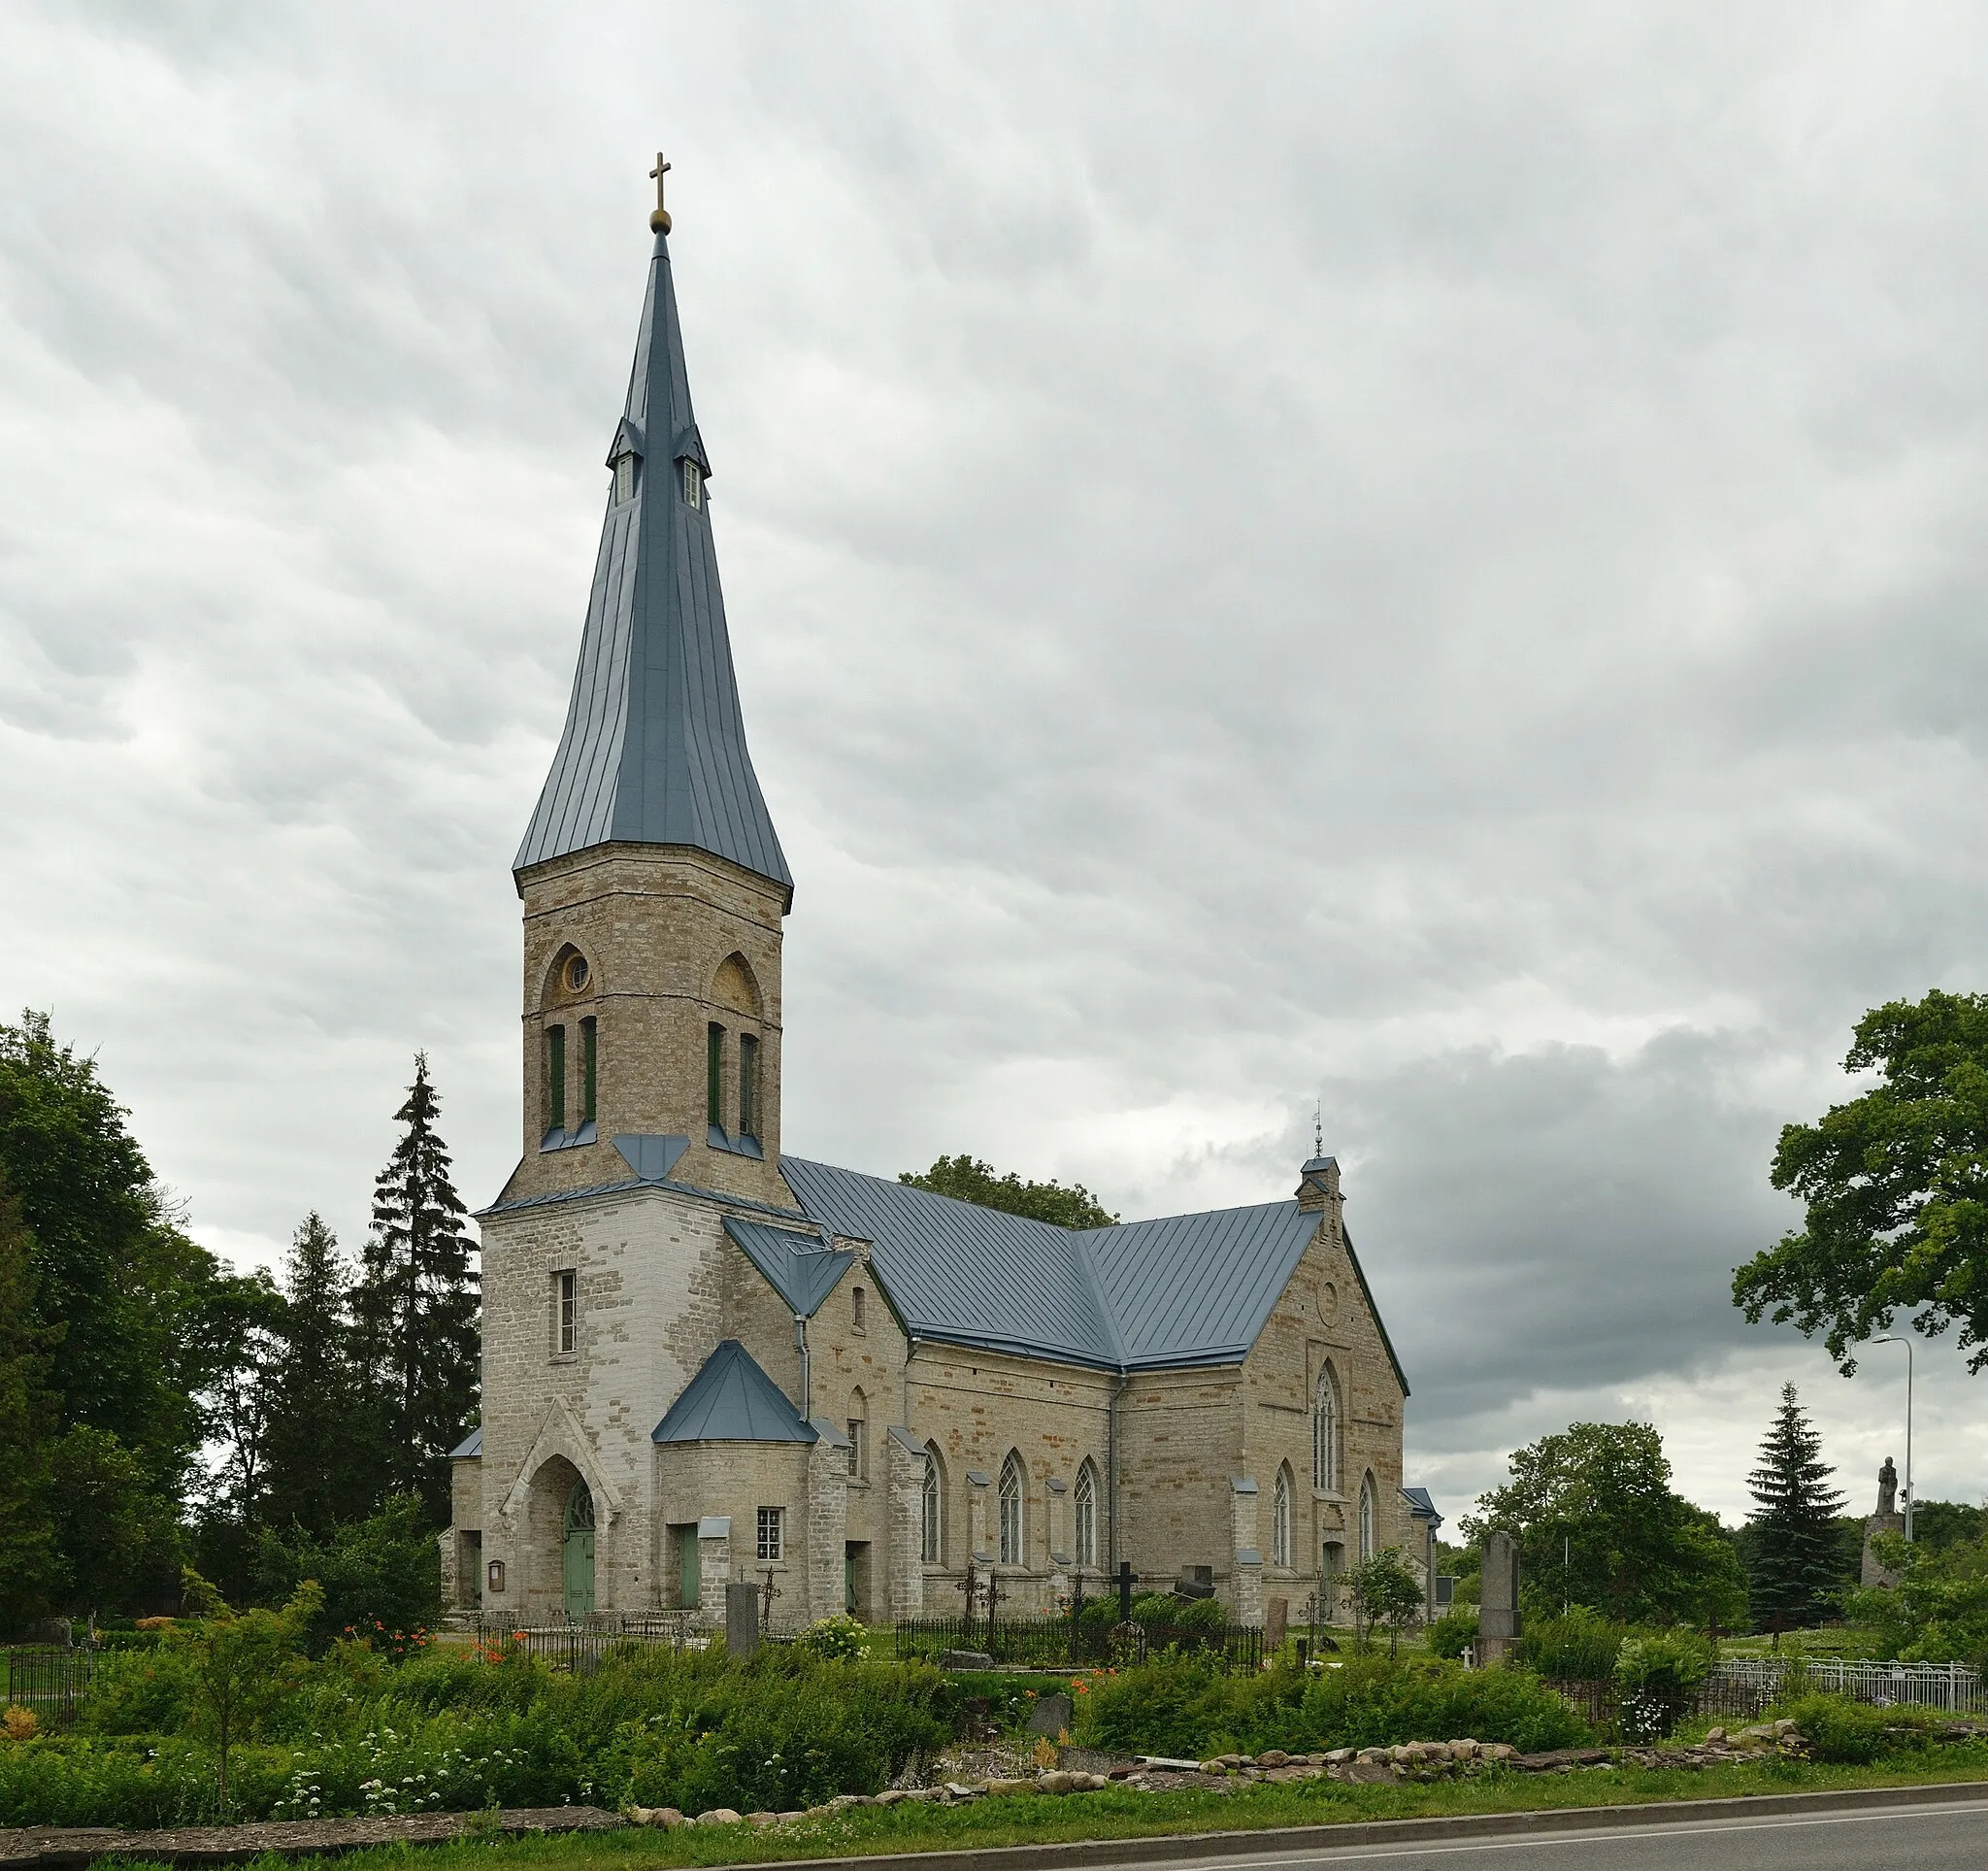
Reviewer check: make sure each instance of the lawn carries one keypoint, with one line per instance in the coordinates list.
(1028, 1819)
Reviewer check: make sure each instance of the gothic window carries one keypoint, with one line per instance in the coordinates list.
(748, 1085)
(856, 1309)
(1011, 1511)
(1086, 1516)
(1325, 1433)
(565, 1310)
(589, 1067)
(555, 1077)
(624, 478)
(1280, 1519)
(693, 485)
(714, 1075)
(770, 1534)
(1365, 1519)
(932, 1530)
(860, 1430)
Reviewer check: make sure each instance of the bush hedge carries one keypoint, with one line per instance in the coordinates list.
(1188, 1707)
(457, 1732)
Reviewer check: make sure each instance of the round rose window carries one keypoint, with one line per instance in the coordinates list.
(576, 974)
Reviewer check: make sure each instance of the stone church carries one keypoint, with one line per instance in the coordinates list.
(706, 1359)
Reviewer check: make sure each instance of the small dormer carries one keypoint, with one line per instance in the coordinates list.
(693, 466)
(625, 460)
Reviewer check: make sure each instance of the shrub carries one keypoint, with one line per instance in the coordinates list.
(1453, 1633)
(380, 1577)
(1200, 1614)
(1153, 1609)
(1190, 1708)
(841, 1638)
(1656, 1675)
(1581, 1647)
(1853, 1733)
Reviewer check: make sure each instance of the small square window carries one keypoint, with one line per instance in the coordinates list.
(770, 1533)
(693, 485)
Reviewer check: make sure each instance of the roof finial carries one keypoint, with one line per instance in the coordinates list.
(659, 221)
(1317, 1129)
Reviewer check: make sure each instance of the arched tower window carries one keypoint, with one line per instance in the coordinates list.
(1367, 1547)
(1280, 1519)
(859, 1436)
(1011, 1510)
(932, 1525)
(1325, 1433)
(1087, 1513)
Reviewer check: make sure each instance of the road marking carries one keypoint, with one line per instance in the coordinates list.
(1694, 1828)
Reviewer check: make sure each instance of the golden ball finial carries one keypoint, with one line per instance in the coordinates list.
(659, 221)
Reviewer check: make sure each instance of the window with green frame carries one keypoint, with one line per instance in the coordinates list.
(748, 1085)
(715, 1076)
(589, 1067)
(555, 1077)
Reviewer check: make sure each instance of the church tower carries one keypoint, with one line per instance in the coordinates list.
(652, 881)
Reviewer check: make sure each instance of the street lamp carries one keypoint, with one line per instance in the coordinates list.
(1887, 1338)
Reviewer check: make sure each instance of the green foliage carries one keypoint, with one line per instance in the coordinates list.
(1939, 1524)
(1154, 1608)
(1938, 1613)
(841, 1637)
(1598, 1526)
(379, 1577)
(1453, 1633)
(1188, 1707)
(455, 1732)
(1384, 1590)
(109, 1368)
(1795, 1553)
(1895, 1218)
(416, 1308)
(1581, 1647)
(1200, 1613)
(966, 1179)
(239, 1667)
(1656, 1674)
(1854, 1733)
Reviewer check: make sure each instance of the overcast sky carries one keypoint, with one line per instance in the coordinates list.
(1428, 559)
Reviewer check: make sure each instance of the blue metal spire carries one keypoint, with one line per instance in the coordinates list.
(654, 746)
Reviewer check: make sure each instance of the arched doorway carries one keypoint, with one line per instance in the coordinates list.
(578, 1550)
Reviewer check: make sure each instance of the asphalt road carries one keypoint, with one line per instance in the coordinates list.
(1927, 1838)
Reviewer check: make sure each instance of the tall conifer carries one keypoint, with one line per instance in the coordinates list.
(314, 1462)
(415, 1306)
(1795, 1544)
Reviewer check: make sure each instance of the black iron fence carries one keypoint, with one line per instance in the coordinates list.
(1057, 1642)
(48, 1678)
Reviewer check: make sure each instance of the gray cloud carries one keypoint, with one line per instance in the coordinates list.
(1390, 555)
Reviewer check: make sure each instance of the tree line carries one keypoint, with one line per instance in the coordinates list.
(159, 1409)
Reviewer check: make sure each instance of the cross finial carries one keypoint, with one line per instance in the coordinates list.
(659, 221)
(1317, 1129)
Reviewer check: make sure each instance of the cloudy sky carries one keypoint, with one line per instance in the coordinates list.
(1427, 560)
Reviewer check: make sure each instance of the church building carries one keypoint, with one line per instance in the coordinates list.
(706, 1358)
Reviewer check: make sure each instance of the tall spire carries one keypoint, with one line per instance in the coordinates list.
(654, 746)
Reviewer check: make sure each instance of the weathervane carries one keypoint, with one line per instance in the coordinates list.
(1317, 1129)
(659, 221)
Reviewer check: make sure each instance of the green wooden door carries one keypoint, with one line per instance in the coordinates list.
(850, 1579)
(689, 1569)
(579, 1551)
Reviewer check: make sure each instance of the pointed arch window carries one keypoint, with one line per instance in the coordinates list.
(1365, 1519)
(1087, 1515)
(932, 1528)
(1325, 1433)
(1011, 1510)
(1280, 1519)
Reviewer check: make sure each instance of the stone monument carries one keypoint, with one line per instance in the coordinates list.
(1498, 1599)
(1887, 1519)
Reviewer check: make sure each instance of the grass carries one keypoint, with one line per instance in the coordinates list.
(1034, 1820)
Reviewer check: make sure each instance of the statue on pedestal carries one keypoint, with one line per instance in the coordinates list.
(1887, 1490)
(1887, 1519)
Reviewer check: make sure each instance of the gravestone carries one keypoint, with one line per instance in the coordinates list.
(1498, 1599)
(1051, 1715)
(1887, 1519)
(742, 1618)
(1277, 1621)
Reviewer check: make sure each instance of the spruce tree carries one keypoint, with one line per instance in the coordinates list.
(415, 1307)
(1795, 1545)
(316, 1464)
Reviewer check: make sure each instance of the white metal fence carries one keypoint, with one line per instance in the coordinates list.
(1951, 1686)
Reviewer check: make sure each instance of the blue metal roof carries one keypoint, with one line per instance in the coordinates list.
(731, 1400)
(470, 1445)
(653, 751)
(1185, 1289)
(802, 1268)
(1421, 1506)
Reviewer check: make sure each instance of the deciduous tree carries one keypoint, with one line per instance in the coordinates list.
(1896, 1188)
(966, 1179)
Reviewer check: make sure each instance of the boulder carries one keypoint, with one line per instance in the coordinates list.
(720, 1816)
(1273, 1757)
